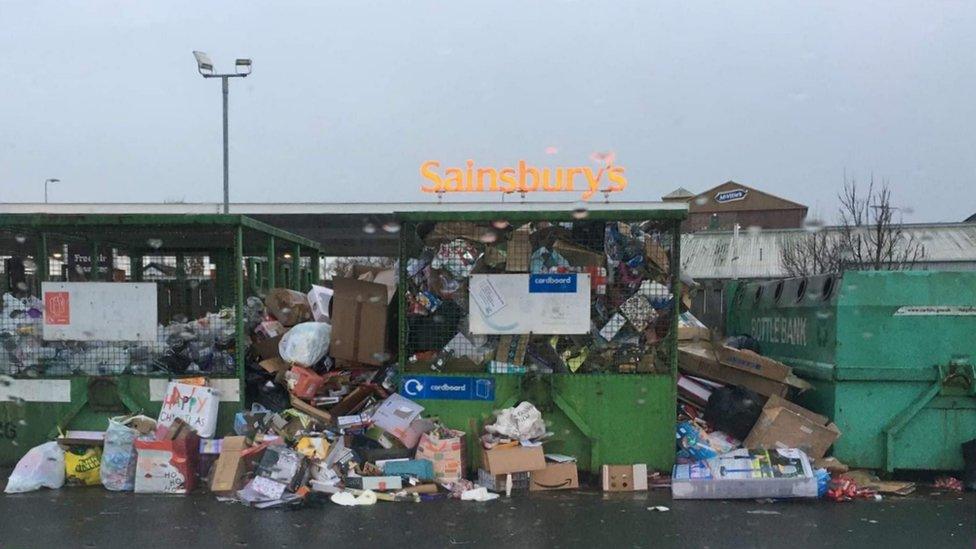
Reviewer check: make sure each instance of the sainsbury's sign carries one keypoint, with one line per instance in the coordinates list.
(521, 178)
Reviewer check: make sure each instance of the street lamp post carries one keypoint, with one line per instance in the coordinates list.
(46, 181)
(242, 68)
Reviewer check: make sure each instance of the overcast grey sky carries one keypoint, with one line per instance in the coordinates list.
(347, 99)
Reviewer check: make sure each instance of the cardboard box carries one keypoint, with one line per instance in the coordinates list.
(746, 474)
(359, 315)
(319, 301)
(379, 484)
(228, 475)
(446, 453)
(168, 465)
(578, 256)
(311, 411)
(624, 478)
(284, 465)
(501, 461)
(422, 469)
(783, 424)
(690, 328)
(499, 483)
(657, 255)
(556, 476)
(702, 362)
(288, 306)
(754, 363)
(519, 250)
(395, 414)
(267, 348)
(352, 401)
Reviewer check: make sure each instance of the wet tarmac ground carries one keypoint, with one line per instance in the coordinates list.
(94, 517)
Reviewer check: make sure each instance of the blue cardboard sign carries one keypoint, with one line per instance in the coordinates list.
(447, 388)
(562, 283)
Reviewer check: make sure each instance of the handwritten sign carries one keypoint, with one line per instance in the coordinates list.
(195, 405)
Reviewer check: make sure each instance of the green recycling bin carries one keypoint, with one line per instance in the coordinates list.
(890, 355)
(67, 361)
(601, 404)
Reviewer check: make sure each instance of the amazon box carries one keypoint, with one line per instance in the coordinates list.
(501, 461)
(359, 315)
(556, 476)
(783, 424)
(702, 361)
(749, 361)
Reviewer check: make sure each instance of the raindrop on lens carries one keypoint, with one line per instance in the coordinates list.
(30, 264)
(813, 225)
(499, 224)
(754, 230)
(580, 211)
(391, 227)
(155, 243)
(20, 239)
(369, 228)
(488, 237)
(701, 200)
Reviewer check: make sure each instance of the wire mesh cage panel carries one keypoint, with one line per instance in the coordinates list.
(581, 295)
(190, 277)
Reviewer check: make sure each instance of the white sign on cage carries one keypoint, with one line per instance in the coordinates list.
(546, 303)
(99, 311)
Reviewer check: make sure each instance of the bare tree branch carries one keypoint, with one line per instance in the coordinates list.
(868, 238)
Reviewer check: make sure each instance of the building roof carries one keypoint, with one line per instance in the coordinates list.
(706, 201)
(679, 193)
(756, 254)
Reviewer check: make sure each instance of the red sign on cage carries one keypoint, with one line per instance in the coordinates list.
(57, 308)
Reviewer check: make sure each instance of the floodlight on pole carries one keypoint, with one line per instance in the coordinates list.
(46, 181)
(242, 68)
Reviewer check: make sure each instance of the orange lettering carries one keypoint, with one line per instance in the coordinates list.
(428, 173)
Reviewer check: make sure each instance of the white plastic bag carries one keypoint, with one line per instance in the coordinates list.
(306, 343)
(521, 422)
(42, 466)
(118, 471)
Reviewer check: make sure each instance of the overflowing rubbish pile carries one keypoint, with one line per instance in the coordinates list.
(739, 435)
(601, 291)
(204, 345)
(325, 424)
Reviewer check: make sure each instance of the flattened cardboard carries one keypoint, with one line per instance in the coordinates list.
(783, 424)
(511, 349)
(701, 362)
(556, 476)
(309, 410)
(578, 256)
(229, 471)
(519, 250)
(624, 478)
(501, 461)
(359, 315)
(754, 363)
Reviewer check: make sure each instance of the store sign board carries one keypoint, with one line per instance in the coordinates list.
(521, 178)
